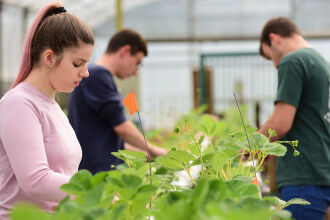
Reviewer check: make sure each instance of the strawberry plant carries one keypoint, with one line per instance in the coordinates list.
(222, 190)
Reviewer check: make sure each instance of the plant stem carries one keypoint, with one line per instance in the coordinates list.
(211, 143)
(247, 137)
(200, 155)
(187, 170)
(148, 152)
(230, 176)
(261, 162)
(223, 174)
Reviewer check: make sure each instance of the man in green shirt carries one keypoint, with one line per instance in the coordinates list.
(301, 112)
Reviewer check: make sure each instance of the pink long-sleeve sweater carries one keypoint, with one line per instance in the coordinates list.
(39, 150)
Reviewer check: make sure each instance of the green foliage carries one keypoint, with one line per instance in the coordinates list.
(272, 133)
(296, 201)
(27, 211)
(223, 189)
(132, 159)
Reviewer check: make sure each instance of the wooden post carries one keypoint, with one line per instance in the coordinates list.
(271, 166)
(209, 89)
(257, 114)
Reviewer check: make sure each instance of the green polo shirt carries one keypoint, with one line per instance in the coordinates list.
(303, 81)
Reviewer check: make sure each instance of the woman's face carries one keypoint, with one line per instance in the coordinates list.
(72, 67)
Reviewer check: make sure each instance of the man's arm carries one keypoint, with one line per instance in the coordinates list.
(129, 147)
(281, 120)
(129, 132)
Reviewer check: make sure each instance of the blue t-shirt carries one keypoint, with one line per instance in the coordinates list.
(95, 108)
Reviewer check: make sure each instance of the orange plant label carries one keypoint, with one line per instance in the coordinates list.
(255, 181)
(130, 103)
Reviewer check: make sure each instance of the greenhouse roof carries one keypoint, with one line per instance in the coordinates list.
(195, 19)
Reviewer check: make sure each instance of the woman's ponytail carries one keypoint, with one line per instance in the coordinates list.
(26, 62)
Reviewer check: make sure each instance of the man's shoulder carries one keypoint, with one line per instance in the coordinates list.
(301, 55)
(99, 73)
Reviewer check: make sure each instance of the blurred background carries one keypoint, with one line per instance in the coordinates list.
(200, 51)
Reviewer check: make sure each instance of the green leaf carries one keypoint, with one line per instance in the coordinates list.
(131, 181)
(27, 211)
(206, 158)
(133, 155)
(208, 121)
(94, 213)
(69, 206)
(258, 141)
(209, 125)
(93, 196)
(176, 196)
(79, 183)
(297, 201)
(282, 214)
(201, 139)
(218, 190)
(149, 189)
(250, 129)
(238, 135)
(98, 178)
(170, 163)
(115, 182)
(73, 189)
(203, 129)
(142, 171)
(275, 149)
(194, 149)
(221, 127)
(240, 188)
(199, 195)
(115, 174)
(176, 129)
(295, 143)
(65, 216)
(271, 132)
(138, 206)
(180, 155)
(209, 149)
(219, 160)
(118, 211)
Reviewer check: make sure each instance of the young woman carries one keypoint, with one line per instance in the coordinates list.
(39, 150)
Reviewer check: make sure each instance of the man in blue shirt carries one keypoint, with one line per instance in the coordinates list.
(96, 110)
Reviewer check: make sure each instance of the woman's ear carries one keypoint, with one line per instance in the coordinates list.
(49, 58)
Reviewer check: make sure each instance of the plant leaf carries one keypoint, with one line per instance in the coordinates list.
(181, 155)
(170, 163)
(131, 181)
(275, 149)
(27, 211)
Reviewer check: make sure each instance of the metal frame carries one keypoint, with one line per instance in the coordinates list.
(202, 82)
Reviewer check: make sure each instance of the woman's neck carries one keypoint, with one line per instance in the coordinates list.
(38, 78)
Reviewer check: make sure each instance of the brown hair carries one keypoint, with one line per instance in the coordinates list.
(282, 26)
(52, 30)
(127, 37)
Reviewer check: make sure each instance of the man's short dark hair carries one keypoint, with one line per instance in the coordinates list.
(282, 26)
(127, 37)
